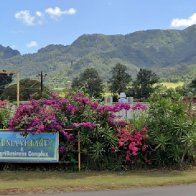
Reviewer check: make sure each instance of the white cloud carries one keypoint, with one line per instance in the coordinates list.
(29, 19)
(32, 44)
(184, 22)
(38, 18)
(70, 11)
(38, 13)
(25, 17)
(57, 12)
(54, 12)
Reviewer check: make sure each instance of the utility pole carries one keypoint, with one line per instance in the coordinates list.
(41, 75)
(42, 82)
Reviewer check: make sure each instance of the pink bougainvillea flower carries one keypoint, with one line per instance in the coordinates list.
(88, 125)
(144, 147)
(62, 149)
(138, 106)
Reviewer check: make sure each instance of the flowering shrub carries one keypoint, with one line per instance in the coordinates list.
(138, 106)
(107, 140)
(139, 112)
(133, 144)
(99, 128)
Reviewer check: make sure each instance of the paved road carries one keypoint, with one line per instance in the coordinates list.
(185, 190)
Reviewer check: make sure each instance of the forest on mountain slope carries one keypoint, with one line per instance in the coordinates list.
(169, 53)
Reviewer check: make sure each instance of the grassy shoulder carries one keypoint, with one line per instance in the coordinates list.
(13, 182)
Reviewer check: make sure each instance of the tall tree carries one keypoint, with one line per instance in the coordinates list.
(5, 79)
(90, 80)
(143, 85)
(120, 79)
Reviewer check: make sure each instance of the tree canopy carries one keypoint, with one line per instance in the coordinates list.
(143, 85)
(5, 79)
(120, 79)
(193, 83)
(28, 88)
(90, 81)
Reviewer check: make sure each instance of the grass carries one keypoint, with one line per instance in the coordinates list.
(165, 84)
(13, 182)
(172, 85)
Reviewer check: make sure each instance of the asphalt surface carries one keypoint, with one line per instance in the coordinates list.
(184, 190)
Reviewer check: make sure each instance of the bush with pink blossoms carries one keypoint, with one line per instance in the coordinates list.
(98, 126)
(134, 145)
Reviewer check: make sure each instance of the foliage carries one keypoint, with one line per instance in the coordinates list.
(193, 84)
(120, 79)
(5, 114)
(192, 87)
(133, 139)
(98, 126)
(140, 115)
(143, 85)
(163, 134)
(170, 52)
(28, 88)
(172, 133)
(5, 79)
(133, 144)
(90, 81)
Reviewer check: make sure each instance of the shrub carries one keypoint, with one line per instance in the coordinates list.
(99, 128)
(134, 146)
(5, 114)
(172, 132)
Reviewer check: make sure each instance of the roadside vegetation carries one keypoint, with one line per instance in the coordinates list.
(32, 182)
(161, 133)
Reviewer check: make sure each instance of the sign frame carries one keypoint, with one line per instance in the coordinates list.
(30, 148)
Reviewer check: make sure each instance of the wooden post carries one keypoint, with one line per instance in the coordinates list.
(41, 83)
(79, 153)
(18, 89)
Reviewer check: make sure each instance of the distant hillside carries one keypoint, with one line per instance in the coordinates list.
(171, 53)
(7, 52)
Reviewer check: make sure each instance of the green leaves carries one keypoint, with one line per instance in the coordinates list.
(5, 114)
(172, 132)
(143, 85)
(97, 151)
(120, 79)
(90, 81)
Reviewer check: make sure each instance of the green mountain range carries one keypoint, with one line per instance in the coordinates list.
(170, 53)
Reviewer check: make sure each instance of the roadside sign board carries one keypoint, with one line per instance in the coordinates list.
(31, 148)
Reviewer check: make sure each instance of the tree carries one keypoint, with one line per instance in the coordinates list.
(143, 85)
(28, 88)
(120, 79)
(91, 82)
(191, 88)
(5, 79)
(193, 83)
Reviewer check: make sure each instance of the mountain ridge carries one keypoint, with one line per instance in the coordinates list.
(156, 49)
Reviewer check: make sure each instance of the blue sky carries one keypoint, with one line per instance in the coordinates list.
(28, 25)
